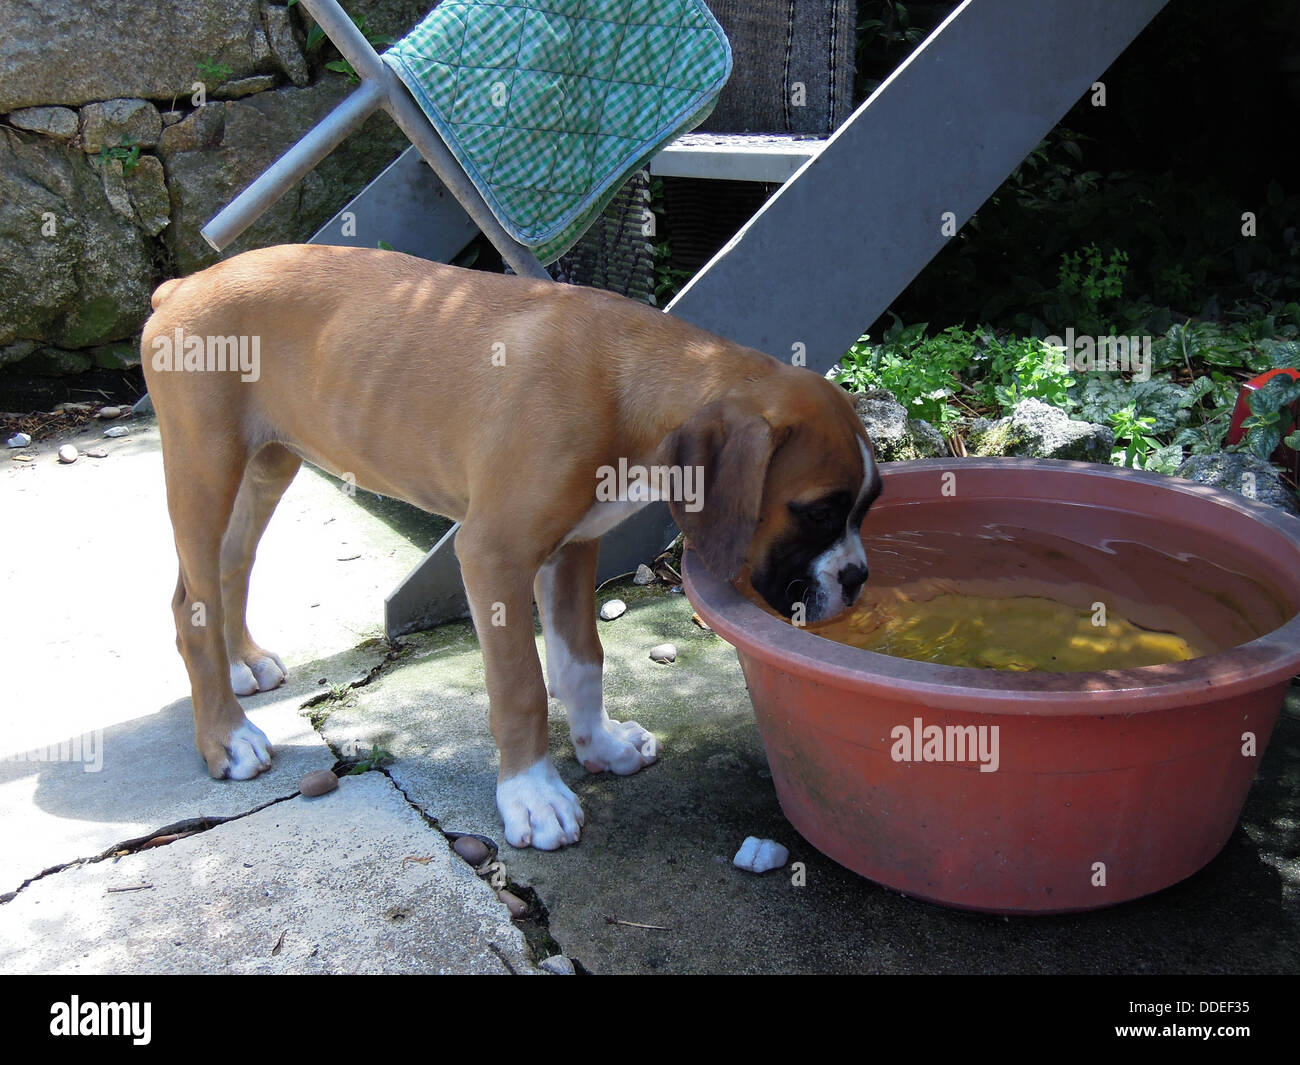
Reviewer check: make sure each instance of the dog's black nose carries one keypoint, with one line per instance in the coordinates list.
(851, 580)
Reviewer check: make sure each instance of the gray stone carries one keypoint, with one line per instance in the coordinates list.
(57, 122)
(234, 90)
(143, 405)
(120, 355)
(170, 118)
(19, 440)
(56, 362)
(284, 44)
(114, 178)
(894, 436)
(614, 608)
(557, 964)
(73, 271)
(219, 149)
(75, 51)
(1036, 430)
(663, 653)
(16, 351)
(1241, 472)
(113, 122)
(146, 184)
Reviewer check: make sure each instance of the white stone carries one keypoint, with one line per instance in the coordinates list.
(67, 453)
(19, 440)
(663, 652)
(613, 609)
(117, 430)
(760, 855)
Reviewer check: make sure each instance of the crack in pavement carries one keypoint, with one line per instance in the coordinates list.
(186, 827)
(535, 923)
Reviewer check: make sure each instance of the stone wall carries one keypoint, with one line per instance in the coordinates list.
(111, 163)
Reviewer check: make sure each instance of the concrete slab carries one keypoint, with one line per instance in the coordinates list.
(94, 679)
(304, 886)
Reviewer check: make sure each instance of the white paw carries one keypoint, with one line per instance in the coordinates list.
(538, 808)
(250, 752)
(620, 747)
(257, 673)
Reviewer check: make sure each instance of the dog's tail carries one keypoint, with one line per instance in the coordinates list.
(163, 291)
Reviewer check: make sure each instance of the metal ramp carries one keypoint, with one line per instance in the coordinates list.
(859, 217)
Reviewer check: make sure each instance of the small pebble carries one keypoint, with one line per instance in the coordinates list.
(472, 850)
(760, 855)
(67, 453)
(96, 452)
(613, 609)
(109, 412)
(644, 575)
(19, 440)
(557, 964)
(517, 906)
(117, 430)
(318, 782)
(664, 652)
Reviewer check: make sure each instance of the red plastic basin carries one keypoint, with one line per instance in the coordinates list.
(1108, 785)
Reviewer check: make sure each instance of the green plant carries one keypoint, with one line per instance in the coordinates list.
(922, 373)
(885, 36)
(376, 759)
(214, 72)
(1133, 435)
(1036, 371)
(1271, 418)
(127, 151)
(1087, 283)
(341, 66)
(668, 279)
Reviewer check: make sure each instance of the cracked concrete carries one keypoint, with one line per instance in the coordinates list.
(283, 886)
(91, 559)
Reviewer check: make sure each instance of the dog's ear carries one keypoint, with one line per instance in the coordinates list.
(733, 445)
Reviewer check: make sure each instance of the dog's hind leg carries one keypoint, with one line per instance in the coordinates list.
(252, 668)
(574, 664)
(200, 498)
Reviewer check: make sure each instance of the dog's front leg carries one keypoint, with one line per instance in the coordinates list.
(538, 809)
(574, 662)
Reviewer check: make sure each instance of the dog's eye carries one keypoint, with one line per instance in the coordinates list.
(822, 513)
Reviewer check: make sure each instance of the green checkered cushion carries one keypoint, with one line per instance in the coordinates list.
(550, 104)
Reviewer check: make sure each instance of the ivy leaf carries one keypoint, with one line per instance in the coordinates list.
(1264, 441)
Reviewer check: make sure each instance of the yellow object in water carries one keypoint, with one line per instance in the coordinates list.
(1015, 633)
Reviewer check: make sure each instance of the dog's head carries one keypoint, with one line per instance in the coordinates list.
(788, 476)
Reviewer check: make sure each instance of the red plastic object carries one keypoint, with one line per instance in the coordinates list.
(1109, 785)
(1241, 411)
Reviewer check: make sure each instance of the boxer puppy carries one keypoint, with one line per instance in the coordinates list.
(503, 403)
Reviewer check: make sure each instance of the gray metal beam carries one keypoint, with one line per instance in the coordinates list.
(831, 250)
(406, 207)
(772, 158)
